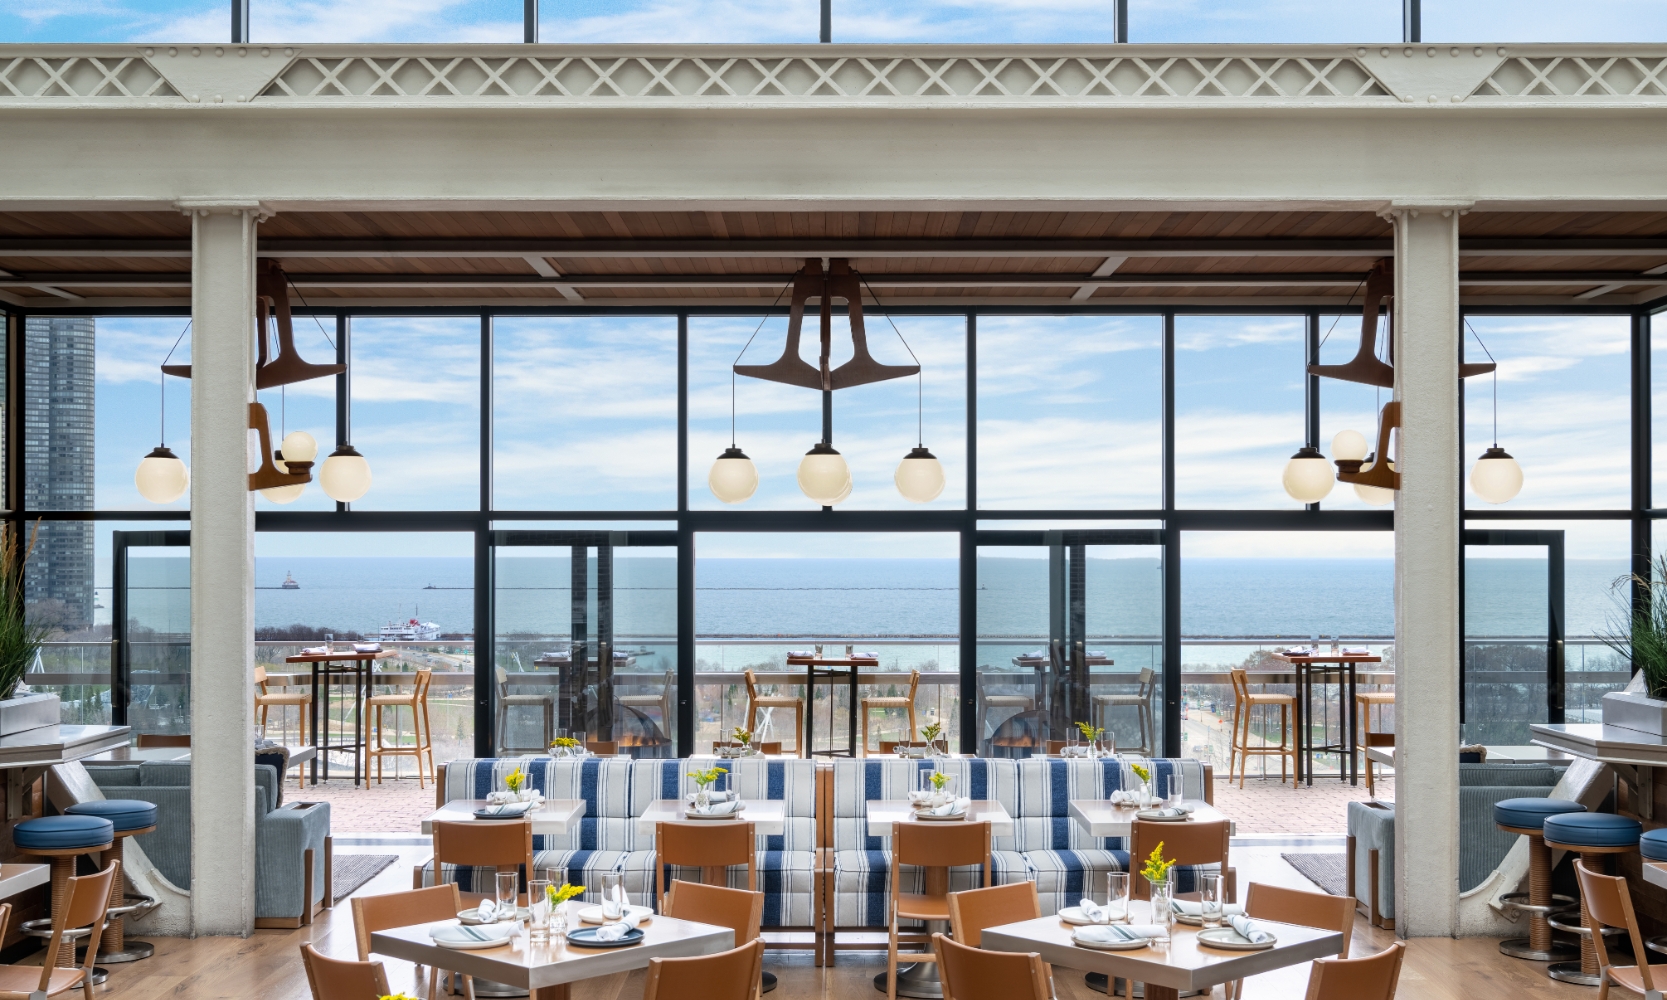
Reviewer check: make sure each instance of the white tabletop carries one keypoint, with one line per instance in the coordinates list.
(521, 964)
(1183, 964)
(556, 816)
(767, 816)
(882, 813)
(16, 878)
(1102, 819)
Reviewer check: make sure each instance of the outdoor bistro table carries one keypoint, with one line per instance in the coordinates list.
(554, 817)
(1322, 662)
(339, 667)
(1181, 965)
(830, 669)
(545, 971)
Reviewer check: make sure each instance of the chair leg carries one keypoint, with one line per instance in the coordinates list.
(863, 750)
(891, 957)
(914, 731)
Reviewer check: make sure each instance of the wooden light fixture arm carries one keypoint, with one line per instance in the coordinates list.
(268, 476)
(1380, 474)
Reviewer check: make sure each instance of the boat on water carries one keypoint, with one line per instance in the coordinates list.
(289, 582)
(411, 630)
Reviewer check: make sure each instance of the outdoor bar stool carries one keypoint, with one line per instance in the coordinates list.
(1366, 737)
(1653, 846)
(1594, 836)
(63, 839)
(1527, 817)
(130, 817)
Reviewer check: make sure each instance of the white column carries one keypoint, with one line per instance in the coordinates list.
(1427, 515)
(222, 568)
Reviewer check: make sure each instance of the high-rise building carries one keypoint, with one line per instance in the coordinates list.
(58, 395)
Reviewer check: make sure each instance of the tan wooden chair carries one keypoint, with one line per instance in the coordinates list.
(417, 701)
(265, 700)
(1609, 901)
(1244, 701)
(506, 847)
(602, 748)
(1141, 700)
(973, 910)
(712, 848)
(162, 740)
(335, 979)
(661, 701)
(84, 906)
(975, 974)
(937, 849)
(883, 703)
(1186, 844)
(728, 975)
(402, 909)
(739, 910)
(1296, 906)
(507, 701)
(1366, 736)
(756, 701)
(1370, 978)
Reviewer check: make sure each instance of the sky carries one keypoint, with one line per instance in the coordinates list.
(853, 21)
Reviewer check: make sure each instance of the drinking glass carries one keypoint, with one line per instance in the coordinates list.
(561, 734)
(558, 914)
(1162, 913)
(1209, 897)
(508, 882)
(1173, 799)
(260, 734)
(538, 908)
(613, 896)
(1117, 896)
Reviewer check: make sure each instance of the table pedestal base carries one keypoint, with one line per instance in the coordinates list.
(917, 980)
(769, 981)
(487, 988)
(1096, 981)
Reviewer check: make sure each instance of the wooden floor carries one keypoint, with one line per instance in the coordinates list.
(267, 965)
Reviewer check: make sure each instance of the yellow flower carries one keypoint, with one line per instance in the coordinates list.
(742, 735)
(514, 780)
(1144, 773)
(561, 894)
(706, 777)
(1156, 868)
(939, 779)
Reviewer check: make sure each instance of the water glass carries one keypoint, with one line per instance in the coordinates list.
(1173, 799)
(1209, 897)
(508, 882)
(1163, 914)
(538, 908)
(613, 896)
(1117, 896)
(556, 751)
(260, 734)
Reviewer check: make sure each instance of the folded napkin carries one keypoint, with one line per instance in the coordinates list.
(615, 931)
(455, 934)
(1122, 798)
(505, 809)
(367, 647)
(801, 652)
(1035, 654)
(1193, 908)
(872, 654)
(312, 650)
(1356, 651)
(713, 795)
(1115, 933)
(1169, 812)
(488, 910)
(954, 807)
(1097, 913)
(1099, 653)
(1249, 930)
(717, 808)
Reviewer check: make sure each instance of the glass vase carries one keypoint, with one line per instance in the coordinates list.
(1162, 913)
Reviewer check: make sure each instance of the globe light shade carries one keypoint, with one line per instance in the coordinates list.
(823, 475)
(1496, 477)
(1377, 496)
(733, 478)
(161, 476)
(345, 476)
(299, 446)
(919, 476)
(285, 494)
(1347, 446)
(1308, 476)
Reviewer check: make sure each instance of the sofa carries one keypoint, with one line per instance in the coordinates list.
(292, 842)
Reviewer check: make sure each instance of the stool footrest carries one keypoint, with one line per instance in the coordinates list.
(1560, 925)
(42, 928)
(135, 902)
(1511, 903)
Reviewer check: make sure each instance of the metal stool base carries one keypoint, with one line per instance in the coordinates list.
(769, 981)
(132, 951)
(919, 980)
(1569, 972)
(1559, 952)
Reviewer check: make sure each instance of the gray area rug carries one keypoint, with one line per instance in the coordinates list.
(1328, 871)
(350, 871)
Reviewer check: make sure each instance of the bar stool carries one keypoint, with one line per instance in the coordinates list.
(1245, 702)
(1140, 700)
(1365, 736)
(130, 817)
(63, 839)
(883, 703)
(1594, 836)
(1527, 817)
(755, 701)
(422, 733)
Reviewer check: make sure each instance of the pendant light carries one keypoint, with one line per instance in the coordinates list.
(161, 476)
(1496, 477)
(734, 479)
(823, 475)
(296, 454)
(345, 475)
(1308, 476)
(919, 476)
(1377, 496)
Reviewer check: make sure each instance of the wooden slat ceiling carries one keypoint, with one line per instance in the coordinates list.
(708, 258)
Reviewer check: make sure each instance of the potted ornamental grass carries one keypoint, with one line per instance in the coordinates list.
(1639, 633)
(21, 636)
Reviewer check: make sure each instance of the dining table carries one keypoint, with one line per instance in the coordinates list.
(1183, 965)
(883, 813)
(829, 669)
(554, 817)
(768, 816)
(340, 667)
(1103, 818)
(1323, 662)
(546, 971)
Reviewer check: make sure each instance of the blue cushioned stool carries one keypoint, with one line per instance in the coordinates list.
(1527, 817)
(63, 839)
(130, 817)
(1653, 845)
(1594, 836)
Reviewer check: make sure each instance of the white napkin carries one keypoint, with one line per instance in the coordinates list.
(1168, 812)
(615, 931)
(1120, 797)
(718, 808)
(312, 650)
(1356, 651)
(954, 807)
(1249, 930)
(1194, 908)
(1094, 911)
(455, 934)
(870, 655)
(801, 652)
(1115, 933)
(488, 910)
(507, 808)
(367, 647)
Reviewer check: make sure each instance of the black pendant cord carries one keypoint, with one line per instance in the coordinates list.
(304, 305)
(748, 344)
(1338, 318)
(162, 389)
(920, 369)
(1489, 353)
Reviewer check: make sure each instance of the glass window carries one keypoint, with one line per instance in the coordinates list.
(1564, 410)
(1239, 408)
(416, 411)
(584, 413)
(1070, 412)
(874, 425)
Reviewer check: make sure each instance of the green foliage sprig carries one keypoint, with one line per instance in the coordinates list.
(742, 736)
(931, 731)
(1638, 633)
(1090, 731)
(1156, 869)
(562, 893)
(20, 636)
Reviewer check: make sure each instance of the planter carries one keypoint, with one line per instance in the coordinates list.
(1638, 712)
(32, 711)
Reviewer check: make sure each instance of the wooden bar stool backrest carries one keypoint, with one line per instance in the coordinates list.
(162, 740)
(1370, 978)
(728, 975)
(504, 846)
(1187, 844)
(419, 688)
(602, 748)
(335, 979)
(975, 974)
(739, 910)
(752, 687)
(1609, 902)
(914, 684)
(1305, 909)
(973, 910)
(710, 845)
(402, 909)
(1241, 684)
(1055, 747)
(89, 898)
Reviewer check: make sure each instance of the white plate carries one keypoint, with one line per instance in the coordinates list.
(1228, 939)
(691, 814)
(472, 938)
(1073, 915)
(929, 818)
(1134, 945)
(1191, 921)
(593, 914)
(472, 917)
(1151, 816)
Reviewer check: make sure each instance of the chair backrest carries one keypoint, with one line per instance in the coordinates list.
(1055, 746)
(739, 910)
(419, 690)
(335, 979)
(503, 682)
(603, 748)
(774, 746)
(1241, 683)
(943, 846)
(260, 678)
(752, 686)
(1610, 903)
(505, 846)
(728, 975)
(1147, 680)
(975, 909)
(914, 684)
(402, 909)
(708, 845)
(89, 897)
(1370, 978)
(1305, 909)
(975, 974)
(1196, 843)
(161, 740)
